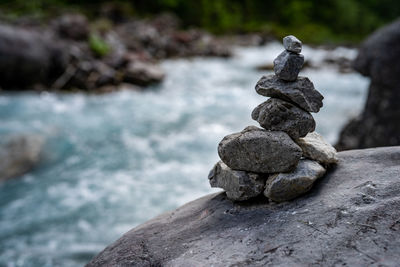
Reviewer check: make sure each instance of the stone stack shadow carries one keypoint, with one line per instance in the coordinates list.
(284, 159)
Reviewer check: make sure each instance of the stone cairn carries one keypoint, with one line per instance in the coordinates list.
(283, 160)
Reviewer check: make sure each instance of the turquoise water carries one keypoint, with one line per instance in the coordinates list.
(114, 161)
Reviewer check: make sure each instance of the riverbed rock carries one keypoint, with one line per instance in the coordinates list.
(301, 92)
(278, 115)
(239, 185)
(350, 217)
(72, 26)
(378, 124)
(143, 73)
(315, 147)
(19, 154)
(287, 186)
(292, 44)
(260, 151)
(287, 65)
(28, 57)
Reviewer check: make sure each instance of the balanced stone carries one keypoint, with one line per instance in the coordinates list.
(286, 186)
(279, 115)
(292, 44)
(258, 150)
(287, 65)
(239, 185)
(315, 147)
(301, 92)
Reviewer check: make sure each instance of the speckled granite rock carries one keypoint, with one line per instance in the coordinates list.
(349, 218)
(315, 147)
(258, 150)
(287, 65)
(287, 186)
(301, 92)
(239, 185)
(292, 44)
(278, 115)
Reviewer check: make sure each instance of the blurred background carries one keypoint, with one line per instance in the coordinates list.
(111, 111)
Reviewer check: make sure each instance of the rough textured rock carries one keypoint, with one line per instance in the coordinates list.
(278, 115)
(29, 57)
(287, 186)
(292, 44)
(378, 124)
(258, 150)
(350, 217)
(239, 185)
(301, 92)
(287, 65)
(19, 154)
(315, 147)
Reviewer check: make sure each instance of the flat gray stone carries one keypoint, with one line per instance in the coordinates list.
(288, 65)
(258, 150)
(301, 92)
(292, 44)
(349, 218)
(239, 185)
(315, 147)
(287, 186)
(279, 115)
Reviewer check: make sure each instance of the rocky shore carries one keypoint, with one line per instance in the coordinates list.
(351, 217)
(72, 53)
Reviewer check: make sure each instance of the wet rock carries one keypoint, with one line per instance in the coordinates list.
(260, 151)
(19, 155)
(278, 115)
(287, 65)
(239, 185)
(29, 57)
(301, 92)
(378, 125)
(336, 214)
(72, 26)
(287, 186)
(143, 73)
(292, 44)
(315, 147)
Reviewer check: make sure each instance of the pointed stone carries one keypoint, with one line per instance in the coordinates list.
(239, 185)
(286, 186)
(260, 151)
(292, 44)
(287, 65)
(301, 92)
(279, 115)
(315, 147)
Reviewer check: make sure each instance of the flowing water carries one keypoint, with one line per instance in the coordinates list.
(114, 161)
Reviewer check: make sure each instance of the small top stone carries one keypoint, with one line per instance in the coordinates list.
(292, 44)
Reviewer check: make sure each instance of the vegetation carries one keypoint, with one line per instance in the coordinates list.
(311, 20)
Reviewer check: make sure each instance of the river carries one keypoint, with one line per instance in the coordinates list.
(116, 160)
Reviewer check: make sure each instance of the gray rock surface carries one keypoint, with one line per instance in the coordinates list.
(315, 147)
(279, 115)
(350, 217)
(143, 73)
(287, 65)
(301, 92)
(239, 185)
(287, 186)
(19, 154)
(378, 125)
(28, 57)
(258, 150)
(292, 44)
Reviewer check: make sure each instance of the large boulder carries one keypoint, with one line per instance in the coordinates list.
(28, 57)
(378, 125)
(349, 218)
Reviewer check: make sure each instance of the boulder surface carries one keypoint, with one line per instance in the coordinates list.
(350, 217)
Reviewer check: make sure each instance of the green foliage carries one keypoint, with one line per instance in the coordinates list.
(98, 46)
(313, 20)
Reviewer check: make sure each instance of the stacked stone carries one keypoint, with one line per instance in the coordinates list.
(284, 159)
